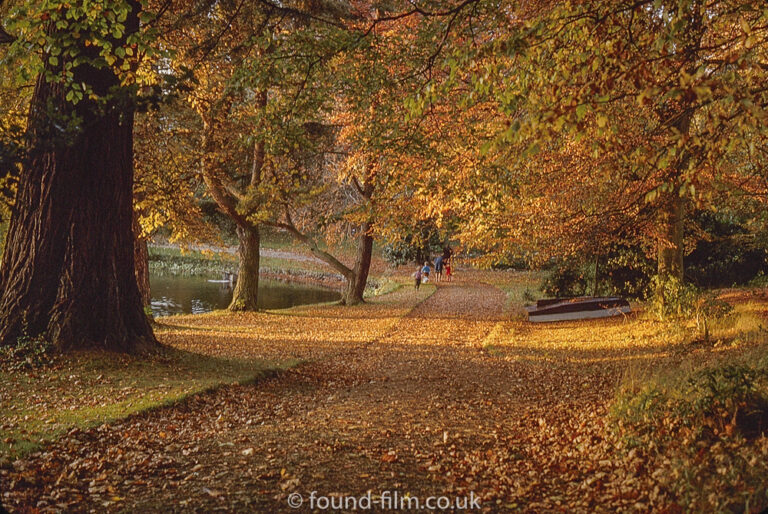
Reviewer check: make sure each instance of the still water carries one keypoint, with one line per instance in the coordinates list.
(184, 295)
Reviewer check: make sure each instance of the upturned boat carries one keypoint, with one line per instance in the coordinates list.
(583, 307)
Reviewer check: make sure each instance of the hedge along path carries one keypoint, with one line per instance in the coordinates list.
(450, 399)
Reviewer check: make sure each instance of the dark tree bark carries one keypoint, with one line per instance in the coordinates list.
(355, 288)
(671, 225)
(246, 294)
(671, 213)
(67, 272)
(596, 284)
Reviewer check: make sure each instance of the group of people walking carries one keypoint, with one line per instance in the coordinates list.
(442, 265)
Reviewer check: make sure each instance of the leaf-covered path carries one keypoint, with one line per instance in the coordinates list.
(451, 399)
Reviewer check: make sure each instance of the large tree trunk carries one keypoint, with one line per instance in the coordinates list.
(353, 293)
(670, 245)
(671, 214)
(68, 269)
(246, 294)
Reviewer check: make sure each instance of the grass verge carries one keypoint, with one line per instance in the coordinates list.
(702, 421)
(86, 389)
(175, 261)
(521, 287)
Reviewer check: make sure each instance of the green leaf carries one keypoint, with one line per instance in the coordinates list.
(581, 111)
(745, 26)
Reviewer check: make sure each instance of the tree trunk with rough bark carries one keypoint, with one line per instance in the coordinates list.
(246, 294)
(355, 288)
(671, 214)
(68, 268)
(671, 225)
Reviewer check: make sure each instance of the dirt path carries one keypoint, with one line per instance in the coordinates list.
(430, 407)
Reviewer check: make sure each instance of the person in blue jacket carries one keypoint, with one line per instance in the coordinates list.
(425, 272)
(439, 268)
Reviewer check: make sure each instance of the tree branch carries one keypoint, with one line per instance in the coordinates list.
(326, 257)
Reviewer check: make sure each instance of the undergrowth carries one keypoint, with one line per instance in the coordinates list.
(704, 421)
(28, 353)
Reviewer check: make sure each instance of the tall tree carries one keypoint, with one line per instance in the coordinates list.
(612, 113)
(168, 190)
(68, 271)
(262, 96)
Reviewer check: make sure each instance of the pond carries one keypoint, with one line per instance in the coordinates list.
(185, 295)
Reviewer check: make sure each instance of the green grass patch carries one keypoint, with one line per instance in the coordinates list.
(86, 389)
(521, 287)
(287, 266)
(383, 286)
(176, 261)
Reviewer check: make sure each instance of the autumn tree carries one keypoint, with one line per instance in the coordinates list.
(168, 190)
(346, 192)
(247, 68)
(67, 271)
(605, 120)
(690, 74)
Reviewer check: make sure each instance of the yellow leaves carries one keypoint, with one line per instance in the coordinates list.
(744, 24)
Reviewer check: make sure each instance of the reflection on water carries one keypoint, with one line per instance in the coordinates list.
(184, 295)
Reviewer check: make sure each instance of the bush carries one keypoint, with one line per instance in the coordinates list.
(413, 248)
(727, 256)
(703, 430)
(28, 353)
(624, 271)
(729, 399)
(566, 279)
(675, 300)
(672, 298)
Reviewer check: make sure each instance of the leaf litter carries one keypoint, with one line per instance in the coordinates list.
(445, 399)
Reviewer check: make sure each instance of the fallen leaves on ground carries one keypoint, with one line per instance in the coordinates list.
(451, 398)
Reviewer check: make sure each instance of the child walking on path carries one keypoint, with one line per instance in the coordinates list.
(417, 276)
(425, 272)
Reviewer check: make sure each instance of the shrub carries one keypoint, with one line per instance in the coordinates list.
(726, 254)
(672, 298)
(676, 300)
(413, 248)
(567, 278)
(623, 271)
(28, 352)
(703, 431)
(729, 399)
